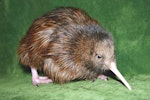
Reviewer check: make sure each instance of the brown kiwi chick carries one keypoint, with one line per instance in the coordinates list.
(68, 45)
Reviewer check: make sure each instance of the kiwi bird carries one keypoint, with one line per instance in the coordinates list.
(68, 45)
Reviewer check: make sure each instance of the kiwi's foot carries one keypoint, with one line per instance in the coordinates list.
(40, 80)
(102, 77)
(36, 79)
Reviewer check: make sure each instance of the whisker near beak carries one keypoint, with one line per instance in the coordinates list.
(114, 69)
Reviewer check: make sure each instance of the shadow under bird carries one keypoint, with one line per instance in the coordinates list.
(68, 45)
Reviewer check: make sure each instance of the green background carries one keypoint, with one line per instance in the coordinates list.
(127, 20)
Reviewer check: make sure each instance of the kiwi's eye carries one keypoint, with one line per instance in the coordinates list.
(99, 56)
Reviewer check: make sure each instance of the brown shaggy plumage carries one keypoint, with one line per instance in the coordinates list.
(68, 45)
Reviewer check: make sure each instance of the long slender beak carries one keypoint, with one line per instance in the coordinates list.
(114, 69)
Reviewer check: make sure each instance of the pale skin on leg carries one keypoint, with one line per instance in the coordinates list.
(36, 79)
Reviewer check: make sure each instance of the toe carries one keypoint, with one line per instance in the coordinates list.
(40, 80)
(45, 81)
(43, 77)
(102, 77)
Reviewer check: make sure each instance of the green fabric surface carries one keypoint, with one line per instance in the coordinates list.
(127, 20)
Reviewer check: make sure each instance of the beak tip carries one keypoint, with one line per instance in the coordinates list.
(129, 88)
